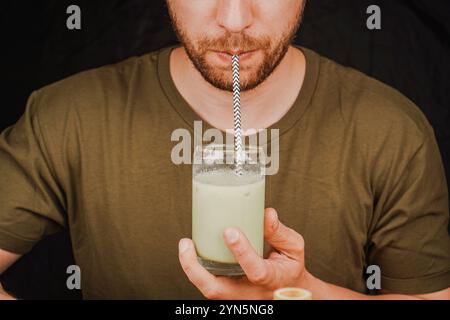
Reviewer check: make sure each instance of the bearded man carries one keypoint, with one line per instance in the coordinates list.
(360, 179)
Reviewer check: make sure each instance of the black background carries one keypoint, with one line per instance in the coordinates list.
(410, 53)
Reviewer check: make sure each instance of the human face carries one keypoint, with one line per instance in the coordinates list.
(259, 31)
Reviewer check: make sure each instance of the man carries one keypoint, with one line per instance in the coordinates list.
(360, 180)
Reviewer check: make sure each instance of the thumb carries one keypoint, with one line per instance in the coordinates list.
(286, 240)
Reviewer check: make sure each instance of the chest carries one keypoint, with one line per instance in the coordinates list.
(145, 205)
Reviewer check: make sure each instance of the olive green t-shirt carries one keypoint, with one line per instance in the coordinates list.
(360, 177)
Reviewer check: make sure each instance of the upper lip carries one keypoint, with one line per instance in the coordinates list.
(235, 52)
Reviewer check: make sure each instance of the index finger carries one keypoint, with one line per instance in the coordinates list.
(210, 286)
(282, 238)
(255, 267)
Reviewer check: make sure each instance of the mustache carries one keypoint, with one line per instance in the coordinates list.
(228, 42)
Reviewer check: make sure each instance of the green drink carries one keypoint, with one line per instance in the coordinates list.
(220, 199)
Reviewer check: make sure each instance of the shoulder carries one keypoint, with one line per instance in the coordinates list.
(85, 104)
(378, 115)
(97, 86)
(93, 94)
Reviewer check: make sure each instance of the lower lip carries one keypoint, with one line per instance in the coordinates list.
(242, 57)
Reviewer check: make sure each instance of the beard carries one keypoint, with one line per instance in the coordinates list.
(272, 51)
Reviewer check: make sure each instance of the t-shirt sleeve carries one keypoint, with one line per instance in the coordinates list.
(409, 241)
(31, 200)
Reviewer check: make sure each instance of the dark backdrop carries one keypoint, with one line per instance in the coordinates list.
(410, 53)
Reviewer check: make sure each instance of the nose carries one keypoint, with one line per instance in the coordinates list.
(235, 15)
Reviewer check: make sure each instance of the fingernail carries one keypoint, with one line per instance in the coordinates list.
(274, 214)
(274, 219)
(183, 245)
(232, 235)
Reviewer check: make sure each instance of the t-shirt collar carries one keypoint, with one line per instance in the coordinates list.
(294, 114)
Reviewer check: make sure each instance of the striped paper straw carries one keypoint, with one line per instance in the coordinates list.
(237, 114)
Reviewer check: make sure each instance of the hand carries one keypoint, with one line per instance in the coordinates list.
(4, 295)
(284, 267)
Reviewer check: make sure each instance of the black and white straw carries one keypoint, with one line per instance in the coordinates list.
(237, 114)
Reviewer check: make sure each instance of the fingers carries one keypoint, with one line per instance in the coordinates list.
(282, 238)
(197, 274)
(276, 270)
(255, 267)
(210, 286)
(274, 255)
